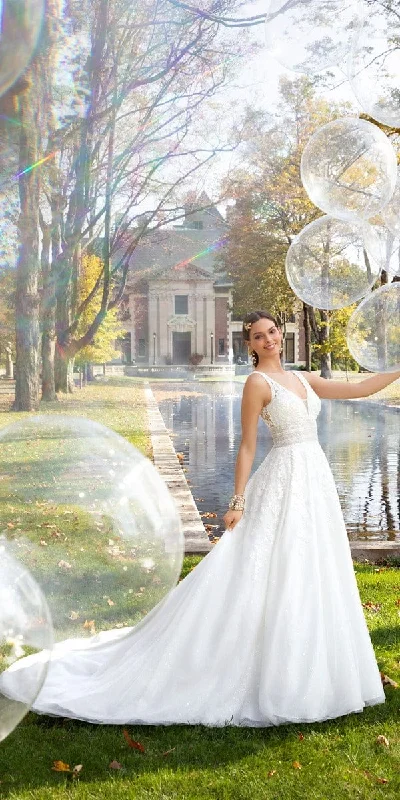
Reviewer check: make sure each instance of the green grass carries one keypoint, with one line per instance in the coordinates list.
(339, 758)
(119, 404)
(85, 565)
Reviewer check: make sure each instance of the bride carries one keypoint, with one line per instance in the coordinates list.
(269, 627)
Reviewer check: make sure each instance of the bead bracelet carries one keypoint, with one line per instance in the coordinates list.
(237, 502)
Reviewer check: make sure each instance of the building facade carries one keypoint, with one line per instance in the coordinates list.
(177, 303)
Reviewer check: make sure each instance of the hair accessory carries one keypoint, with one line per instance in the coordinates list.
(247, 325)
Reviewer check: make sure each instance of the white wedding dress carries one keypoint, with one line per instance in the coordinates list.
(267, 629)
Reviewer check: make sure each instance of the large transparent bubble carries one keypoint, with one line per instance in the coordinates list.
(25, 629)
(91, 518)
(349, 169)
(373, 330)
(20, 26)
(374, 63)
(310, 35)
(327, 264)
(391, 212)
(384, 247)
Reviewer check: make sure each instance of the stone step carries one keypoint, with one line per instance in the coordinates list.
(374, 551)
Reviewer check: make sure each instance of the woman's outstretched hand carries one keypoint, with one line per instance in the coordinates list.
(231, 518)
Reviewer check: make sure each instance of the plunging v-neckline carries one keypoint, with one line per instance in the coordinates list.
(302, 399)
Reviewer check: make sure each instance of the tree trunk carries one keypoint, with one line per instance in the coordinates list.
(326, 370)
(64, 373)
(307, 332)
(27, 275)
(47, 318)
(324, 337)
(48, 377)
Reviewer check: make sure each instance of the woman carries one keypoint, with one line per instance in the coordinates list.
(269, 627)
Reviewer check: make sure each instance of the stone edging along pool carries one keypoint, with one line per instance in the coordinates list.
(167, 463)
(196, 539)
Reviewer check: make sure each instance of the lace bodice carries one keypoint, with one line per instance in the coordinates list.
(290, 418)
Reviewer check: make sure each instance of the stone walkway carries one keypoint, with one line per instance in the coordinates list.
(167, 463)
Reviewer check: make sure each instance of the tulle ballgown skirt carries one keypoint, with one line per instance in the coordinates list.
(267, 629)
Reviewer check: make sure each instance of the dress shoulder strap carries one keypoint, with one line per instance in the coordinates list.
(302, 378)
(269, 380)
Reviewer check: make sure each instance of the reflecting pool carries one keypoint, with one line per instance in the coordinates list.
(361, 440)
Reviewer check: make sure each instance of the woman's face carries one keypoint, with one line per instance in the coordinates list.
(265, 338)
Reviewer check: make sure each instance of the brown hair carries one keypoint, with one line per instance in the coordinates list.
(254, 316)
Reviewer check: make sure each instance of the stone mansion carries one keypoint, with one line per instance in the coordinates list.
(177, 303)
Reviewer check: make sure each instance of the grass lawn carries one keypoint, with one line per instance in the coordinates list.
(120, 406)
(342, 758)
(89, 566)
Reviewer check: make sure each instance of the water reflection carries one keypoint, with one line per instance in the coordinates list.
(360, 439)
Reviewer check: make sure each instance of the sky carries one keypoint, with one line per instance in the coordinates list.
(257, 81)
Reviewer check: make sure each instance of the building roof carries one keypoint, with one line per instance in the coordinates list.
(171, 251)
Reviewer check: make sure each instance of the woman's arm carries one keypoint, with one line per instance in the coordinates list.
(256, 394)
(341, 390)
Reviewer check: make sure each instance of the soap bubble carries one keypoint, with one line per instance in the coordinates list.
(327, 264)
(374, 62)
(21, 22)
(384, 247)
(391, 212)
(92, 519)
(25, 629)
(349, 169)
(310, 35)
(373, 330)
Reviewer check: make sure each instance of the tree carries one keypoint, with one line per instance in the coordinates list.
(147, 75)
(272, 207)
(102, 346)
(28, 268)
(7, 311)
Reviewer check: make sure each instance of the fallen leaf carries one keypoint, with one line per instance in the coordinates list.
(61, 766)
(76, 770)
(370, 606)
(169, 751)
(115, 765)
(131, 742)
(382, 740)
(73, 615)
(110, 602)
(301, 737)
(271, 773)
(296, 764)
(375, 777)
(386, 681)
(89, 624)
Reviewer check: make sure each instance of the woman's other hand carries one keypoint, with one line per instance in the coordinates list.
(231, 518)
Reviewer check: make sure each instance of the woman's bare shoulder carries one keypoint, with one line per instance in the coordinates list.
(257, 386)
